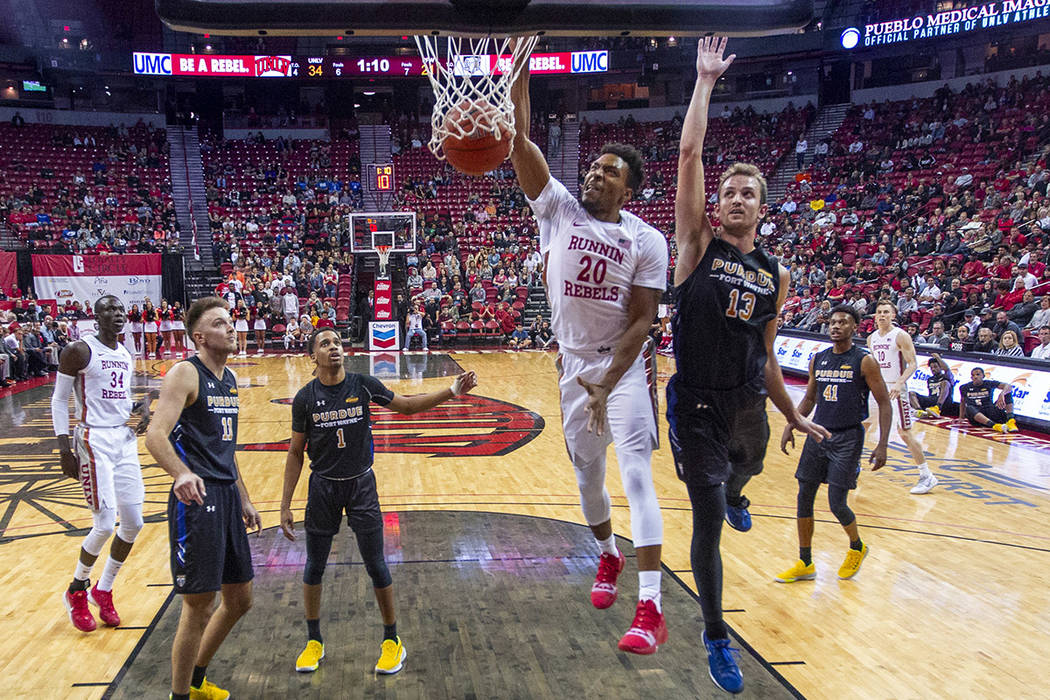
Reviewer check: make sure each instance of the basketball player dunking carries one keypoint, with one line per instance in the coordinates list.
(894, 350)
(605, 271)
(99, 369)
(331, 421)
(728, 293)
(193, 437)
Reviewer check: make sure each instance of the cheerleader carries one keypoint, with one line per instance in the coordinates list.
(164, 316)
(149, 327)
(240, 324)
(178, 327)
(260, 330)
(135, 321)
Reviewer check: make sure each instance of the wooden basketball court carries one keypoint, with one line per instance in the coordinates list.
(951, 601)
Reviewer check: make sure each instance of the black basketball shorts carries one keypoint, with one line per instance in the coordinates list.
(992, 413)
(209, 545)
(834, 460)
(714, 434)
(328, 499)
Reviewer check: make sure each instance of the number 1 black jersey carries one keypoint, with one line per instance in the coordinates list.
(722, 312)
(338, 424)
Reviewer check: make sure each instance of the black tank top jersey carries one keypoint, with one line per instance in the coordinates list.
(842, 391)
(338, 424)
(206, 435)
(722, 312)
(933, 382)
(979, 398)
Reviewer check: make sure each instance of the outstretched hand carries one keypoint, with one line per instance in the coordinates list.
(709, 62)
(464, 383)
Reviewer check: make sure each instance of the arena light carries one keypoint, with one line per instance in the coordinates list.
(850, 38)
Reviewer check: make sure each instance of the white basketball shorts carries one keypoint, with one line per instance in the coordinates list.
(110, 472)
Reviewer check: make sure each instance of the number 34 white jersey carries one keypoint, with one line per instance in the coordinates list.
(591, 267)
(103, 388)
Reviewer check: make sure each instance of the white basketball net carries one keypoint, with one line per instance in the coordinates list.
(472, 71)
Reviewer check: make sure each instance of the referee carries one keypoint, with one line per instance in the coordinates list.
(839, 381)
(331, 422)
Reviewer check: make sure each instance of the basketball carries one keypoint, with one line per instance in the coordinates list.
(478, 139)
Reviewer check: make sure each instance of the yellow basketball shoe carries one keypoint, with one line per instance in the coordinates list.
(797, 572)
(208, 691)
(934, 410)
(391, 657)
(1011, 426)
(999, 427)
(853, 561)
(311, 657)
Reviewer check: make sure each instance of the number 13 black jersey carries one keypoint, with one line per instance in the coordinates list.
(722, 312)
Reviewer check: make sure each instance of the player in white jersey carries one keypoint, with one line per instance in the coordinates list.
(104, 458)
(894, 351)
(605, 271)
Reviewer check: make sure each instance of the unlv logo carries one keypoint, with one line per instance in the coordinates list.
(272, 66)
(470, 426)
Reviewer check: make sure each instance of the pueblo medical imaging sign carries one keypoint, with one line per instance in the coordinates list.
(988, 15)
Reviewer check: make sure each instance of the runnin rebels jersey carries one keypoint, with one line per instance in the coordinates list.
(103, 388)
(842, 391)
(885, 351)
(338, 424)
(722, 312)
(206, 435)
(591, 267)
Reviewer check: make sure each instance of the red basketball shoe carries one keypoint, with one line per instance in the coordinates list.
(79, 614)
(647, 632)
(603, 592)
(104, 600)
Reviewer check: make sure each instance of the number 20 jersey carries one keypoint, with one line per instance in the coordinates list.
(591, 267)
(722, 311)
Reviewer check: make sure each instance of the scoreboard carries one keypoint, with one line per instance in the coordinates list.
(381, 177)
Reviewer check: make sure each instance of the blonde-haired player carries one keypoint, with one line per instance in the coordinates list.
(894, 351)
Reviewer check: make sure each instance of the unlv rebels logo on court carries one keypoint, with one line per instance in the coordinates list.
(485, 428)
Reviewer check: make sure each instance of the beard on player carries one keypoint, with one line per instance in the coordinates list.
(606, 186)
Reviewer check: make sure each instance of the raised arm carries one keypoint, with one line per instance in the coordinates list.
(527, 158)
(409, 405)
(692, 229)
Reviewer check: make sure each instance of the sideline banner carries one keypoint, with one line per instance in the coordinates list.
(8, 270)
(84, 278)
(384, 335)
(1031, 385)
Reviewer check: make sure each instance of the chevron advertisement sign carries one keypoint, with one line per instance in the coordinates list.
(383, 335)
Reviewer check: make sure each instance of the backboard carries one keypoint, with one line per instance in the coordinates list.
(484, 17)
(394, 229)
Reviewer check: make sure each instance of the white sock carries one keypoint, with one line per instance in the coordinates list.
(649, 587)
(607, 546)
(924, 471)
(109, 572)
(83, 571)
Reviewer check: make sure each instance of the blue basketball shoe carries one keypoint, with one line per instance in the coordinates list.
(737, 516)
(722, 665)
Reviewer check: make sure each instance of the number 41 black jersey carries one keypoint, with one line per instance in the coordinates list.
(722, 312)
(338, 424)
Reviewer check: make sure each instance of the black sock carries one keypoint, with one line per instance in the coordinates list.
(313, 630)
(806, 555)
(737, 501)
(390, 632)
(180, 696)
(79, 585)
(198, 676)
(858, 545)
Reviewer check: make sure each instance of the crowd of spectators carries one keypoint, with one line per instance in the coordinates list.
(937, 204)
(66, 189)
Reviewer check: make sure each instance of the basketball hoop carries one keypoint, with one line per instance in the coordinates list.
(465, 82)
(384, 257)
